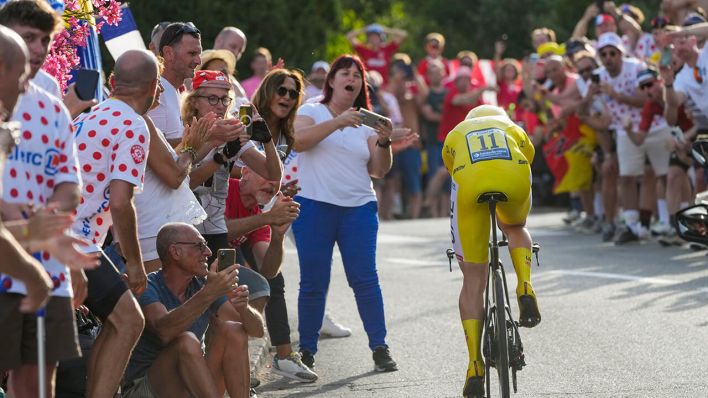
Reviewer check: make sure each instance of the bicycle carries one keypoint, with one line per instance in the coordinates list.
(502, 349)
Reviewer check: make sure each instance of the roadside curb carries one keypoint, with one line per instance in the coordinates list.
(258, 352)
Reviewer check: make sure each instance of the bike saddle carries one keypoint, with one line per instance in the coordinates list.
(492, 197)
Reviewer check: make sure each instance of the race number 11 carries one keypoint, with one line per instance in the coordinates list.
(488, 144)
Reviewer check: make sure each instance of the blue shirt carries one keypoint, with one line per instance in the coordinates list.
(150, 346)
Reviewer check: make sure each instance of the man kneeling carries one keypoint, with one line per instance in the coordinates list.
(180, 301)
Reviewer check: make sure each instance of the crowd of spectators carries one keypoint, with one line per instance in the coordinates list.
(121, 213)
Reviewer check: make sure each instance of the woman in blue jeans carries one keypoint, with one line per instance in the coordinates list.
(337, 158)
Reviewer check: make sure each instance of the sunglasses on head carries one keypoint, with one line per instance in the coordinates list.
(187, 28)
(283, 91)
(646, 85)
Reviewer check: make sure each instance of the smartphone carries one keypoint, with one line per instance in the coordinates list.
(227, 258)
(86, 83)
(595, 78)
(370, 118)
(245, 114)
(666, 57)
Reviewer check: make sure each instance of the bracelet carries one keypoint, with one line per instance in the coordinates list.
(386, 143)
(190, 150)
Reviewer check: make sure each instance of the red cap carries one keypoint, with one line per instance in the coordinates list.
(603, 18)
(210, 78)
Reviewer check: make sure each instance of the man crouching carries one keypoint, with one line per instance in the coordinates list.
(180, 301)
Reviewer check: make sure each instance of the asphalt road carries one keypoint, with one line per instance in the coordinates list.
(617, 321)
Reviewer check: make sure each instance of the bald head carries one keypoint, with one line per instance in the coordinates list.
(232, 39)
(168, 235)
(14, 68)
(135, 68)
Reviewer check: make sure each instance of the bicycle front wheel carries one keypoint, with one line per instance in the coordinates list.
(501, 336)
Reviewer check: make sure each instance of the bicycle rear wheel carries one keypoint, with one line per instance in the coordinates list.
(501, 336)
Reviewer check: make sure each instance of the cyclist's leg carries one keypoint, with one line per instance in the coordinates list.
(512, 220)
(470, 224)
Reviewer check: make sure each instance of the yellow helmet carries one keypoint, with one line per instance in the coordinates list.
(486, 110)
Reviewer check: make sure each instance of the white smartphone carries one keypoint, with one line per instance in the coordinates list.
(370, 118)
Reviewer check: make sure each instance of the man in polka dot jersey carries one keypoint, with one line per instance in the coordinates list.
(112, 142)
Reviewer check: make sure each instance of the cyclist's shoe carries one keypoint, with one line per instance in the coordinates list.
(474, 387)
(529, 315)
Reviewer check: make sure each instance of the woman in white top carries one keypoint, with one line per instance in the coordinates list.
(337, 157)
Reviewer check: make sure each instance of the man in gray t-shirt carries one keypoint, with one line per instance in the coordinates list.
(180, 302)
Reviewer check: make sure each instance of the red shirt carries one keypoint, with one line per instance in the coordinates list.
(652, 109)
(508, 94)
(377, 60)
(236, 209)
(451, 114)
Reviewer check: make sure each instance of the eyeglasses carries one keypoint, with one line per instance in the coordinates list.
(646, 85)
(201, 245)
(283, 91)
(697, 75)
(610, 54)
(187, 27)
(214, 100)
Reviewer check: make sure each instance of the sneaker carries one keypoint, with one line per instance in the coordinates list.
(626, 236)
(597, 227)
(660, 229)
(670, 239)
(308, 359)
(608, 232)
(293, 368)
(572, 216)
(474, 387)
(585, 225)
(383, 361)
(332, 328)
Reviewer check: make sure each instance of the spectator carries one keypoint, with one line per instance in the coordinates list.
(437, 202)
(209, 179)
(542, 35)
(156, 36)
(165, 178)
(260, 65)
(434, 47)
(337, 159)
(690, 82)
(180, 47)
(181, 301)
(316, 79)
(508, 72)
(618, 82)
(113, 142)
(219, 60)
(377, 52)
(277, 100)
(14, 78)
(232, 39)
(260, 236)
(648, 45)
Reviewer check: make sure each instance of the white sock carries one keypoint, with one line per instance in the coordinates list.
(663, 211)
(631, 220)
(597, 205)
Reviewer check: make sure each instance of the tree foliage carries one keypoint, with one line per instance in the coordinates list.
(307, 30)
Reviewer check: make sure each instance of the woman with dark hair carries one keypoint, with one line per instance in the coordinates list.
(277, 100)
(337, 157)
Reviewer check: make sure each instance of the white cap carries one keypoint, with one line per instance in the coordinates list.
(610, 39)
(321, 65)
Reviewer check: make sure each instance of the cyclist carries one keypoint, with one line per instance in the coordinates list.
(487, 152)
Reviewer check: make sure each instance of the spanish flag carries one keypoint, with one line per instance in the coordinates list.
(568, 154)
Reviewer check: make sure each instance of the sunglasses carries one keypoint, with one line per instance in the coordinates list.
(646, 85)
(282, 91)
(697, 75)
(214, 100)
(187, 28)
(610, 54)
(201, 245)
(586, 71)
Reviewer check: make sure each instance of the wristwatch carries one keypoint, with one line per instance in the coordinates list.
(386, 143)
(219, 158)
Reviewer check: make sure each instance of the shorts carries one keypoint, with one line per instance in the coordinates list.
(105, 288)
(435, 161)
(675, 161)
(631, 157)
(148, 248)
(18, 344)
(470, 222)
(408, 163)
(139, 388)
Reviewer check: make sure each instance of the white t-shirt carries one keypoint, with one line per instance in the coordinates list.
(624, 83)
(167, 116)
(686, 83)
(112, 142)
(48, 83)
(213, 198)
(159, 204)
(335, 170)
(311, 91)
(44, 158)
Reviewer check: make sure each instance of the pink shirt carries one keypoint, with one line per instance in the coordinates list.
(251, 84)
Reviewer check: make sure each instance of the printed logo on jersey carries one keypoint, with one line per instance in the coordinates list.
(138, 154)
(51, 166)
